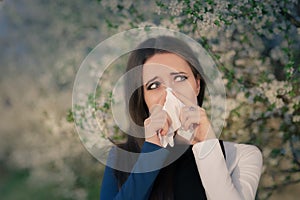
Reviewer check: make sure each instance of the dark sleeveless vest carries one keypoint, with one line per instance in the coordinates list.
(186, 181)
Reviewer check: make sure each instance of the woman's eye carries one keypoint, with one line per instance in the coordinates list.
(180, 78)
(153, 86)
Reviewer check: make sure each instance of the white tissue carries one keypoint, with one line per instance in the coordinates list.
(173, 106)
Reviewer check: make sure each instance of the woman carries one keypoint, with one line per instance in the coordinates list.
(228, 171)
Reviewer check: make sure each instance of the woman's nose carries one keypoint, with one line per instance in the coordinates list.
(167, 85)
(162, 98)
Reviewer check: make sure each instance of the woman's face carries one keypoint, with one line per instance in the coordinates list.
(168, 70)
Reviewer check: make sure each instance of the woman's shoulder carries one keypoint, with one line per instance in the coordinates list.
(239, 153)
(240, 148)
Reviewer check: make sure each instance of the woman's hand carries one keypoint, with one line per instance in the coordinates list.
(193, 116)
(158, 123)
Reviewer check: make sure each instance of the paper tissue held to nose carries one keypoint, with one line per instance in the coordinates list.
(173, 106)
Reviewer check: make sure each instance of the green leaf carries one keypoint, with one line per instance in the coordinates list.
(217, 22)
(70, 117)
(275, 152)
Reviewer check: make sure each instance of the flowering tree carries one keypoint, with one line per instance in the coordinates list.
(256, 46)
(255, 43)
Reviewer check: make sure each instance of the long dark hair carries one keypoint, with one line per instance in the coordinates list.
(138, 109)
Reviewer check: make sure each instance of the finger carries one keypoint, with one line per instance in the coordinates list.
(191, 109)
(155, 108)
(160, 122)
(160, 104)
(147, 121)
(165, 129)
(190, 117)
(168, 119)
(183, 115)
(159, 116)
(186, 112)
(189, 123)
(167, 124)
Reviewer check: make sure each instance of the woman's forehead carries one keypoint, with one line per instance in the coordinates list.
(166, 59)
(165, 63)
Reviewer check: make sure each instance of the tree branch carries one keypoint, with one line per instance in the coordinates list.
(290, 17)
(294, 151)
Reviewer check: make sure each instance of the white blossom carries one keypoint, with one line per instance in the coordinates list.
(175, 8)
(112, 4)
(158, 10)
(296, 118)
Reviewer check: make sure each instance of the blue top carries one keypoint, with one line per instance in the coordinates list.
(138, 185)
(186, 181)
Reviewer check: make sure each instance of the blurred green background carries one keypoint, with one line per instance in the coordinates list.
(42, 46)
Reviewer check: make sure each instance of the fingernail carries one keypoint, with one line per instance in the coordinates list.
(159, 131)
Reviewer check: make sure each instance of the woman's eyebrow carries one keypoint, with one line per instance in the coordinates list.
(176, 73)
(152, 79)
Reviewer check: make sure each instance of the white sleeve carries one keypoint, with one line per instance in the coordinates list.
(236, 178)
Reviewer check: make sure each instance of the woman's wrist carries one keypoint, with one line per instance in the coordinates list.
(154, 140)
(210, 134)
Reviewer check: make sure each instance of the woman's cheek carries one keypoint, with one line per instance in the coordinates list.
(152, 98)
